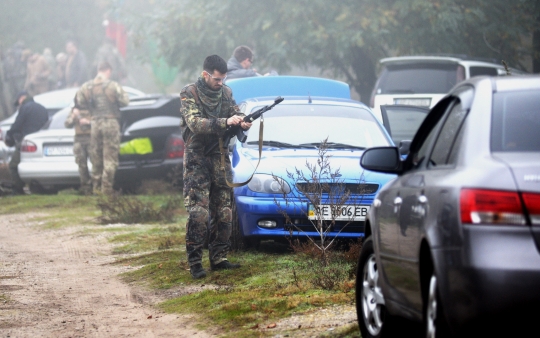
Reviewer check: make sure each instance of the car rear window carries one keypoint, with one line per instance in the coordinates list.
(478, 71)
(424, 78)
(516, 121)
(58, 119)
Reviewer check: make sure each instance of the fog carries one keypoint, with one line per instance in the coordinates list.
(161, 43)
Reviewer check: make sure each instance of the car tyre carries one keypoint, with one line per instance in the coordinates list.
(435, 323)
(238, 240)
(373, 318)
(38, 189)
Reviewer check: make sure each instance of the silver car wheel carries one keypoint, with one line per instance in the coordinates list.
(431, 311)
(372, 297)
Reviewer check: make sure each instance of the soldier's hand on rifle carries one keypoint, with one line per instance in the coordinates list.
(234, 120)
(245, 125)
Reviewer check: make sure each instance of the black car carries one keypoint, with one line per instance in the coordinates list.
(454, 241)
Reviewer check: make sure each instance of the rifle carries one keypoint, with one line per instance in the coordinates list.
(237, 130)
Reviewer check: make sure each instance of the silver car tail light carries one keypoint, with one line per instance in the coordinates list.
(532, 203)
(479, 206)
(28, 146)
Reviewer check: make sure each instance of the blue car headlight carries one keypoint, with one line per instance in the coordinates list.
(268, 184)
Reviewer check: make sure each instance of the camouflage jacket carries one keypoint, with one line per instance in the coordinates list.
(72, 121)
(102, 97)
(200, 129)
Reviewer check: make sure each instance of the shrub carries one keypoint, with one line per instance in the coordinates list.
(117, 208)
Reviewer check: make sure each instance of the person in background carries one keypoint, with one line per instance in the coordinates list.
(240, 64)
(38, 74)
(61, 62)
(80, 120)
(207, 109)
(32, 116)
(108, 52)
(103, 98)
(14, 64)
(76, 66)
(48, 55)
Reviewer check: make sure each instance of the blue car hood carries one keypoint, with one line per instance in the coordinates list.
(280, 161)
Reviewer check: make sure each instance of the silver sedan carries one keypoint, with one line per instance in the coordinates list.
(454, 241)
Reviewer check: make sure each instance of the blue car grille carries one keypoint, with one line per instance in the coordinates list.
(337, 188)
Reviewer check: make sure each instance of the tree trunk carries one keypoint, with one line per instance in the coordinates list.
(536, 47)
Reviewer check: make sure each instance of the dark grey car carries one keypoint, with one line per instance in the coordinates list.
(454, 241)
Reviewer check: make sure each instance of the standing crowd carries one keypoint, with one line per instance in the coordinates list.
(36, 73)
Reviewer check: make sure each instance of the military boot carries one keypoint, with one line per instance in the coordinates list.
(197, 271)
(224, 265)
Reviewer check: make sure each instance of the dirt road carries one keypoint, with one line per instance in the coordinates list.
(57, 283)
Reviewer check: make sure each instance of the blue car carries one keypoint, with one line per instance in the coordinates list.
(277, 203)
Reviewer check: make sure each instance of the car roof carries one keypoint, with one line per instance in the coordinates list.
(436, 58)
(506, 83)
(462, 60)
(64, 97)
(260, 86)
(305, 100)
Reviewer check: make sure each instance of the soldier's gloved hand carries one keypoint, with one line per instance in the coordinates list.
(234, 120)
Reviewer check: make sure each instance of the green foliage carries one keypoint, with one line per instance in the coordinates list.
(343, 37)
(118, 208)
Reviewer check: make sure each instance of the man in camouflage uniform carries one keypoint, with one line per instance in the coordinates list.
(80, 119)
(103, 98)
(207, 109)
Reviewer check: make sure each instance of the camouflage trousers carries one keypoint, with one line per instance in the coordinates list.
(81, 150)
(207, 196)
(104, 150)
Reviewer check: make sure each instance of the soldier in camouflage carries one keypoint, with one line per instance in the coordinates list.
(80, 120)
(103, 98)
(207, 109)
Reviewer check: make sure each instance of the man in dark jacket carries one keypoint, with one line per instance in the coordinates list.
(240, 64)
(32, 116)
(76, 67)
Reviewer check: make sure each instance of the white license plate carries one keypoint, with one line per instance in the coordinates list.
(338, 213)
(414, 102)
(58, 151)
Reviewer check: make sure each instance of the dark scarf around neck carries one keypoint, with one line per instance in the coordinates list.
(211, 99)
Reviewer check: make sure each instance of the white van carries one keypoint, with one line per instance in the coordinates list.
(424, 80)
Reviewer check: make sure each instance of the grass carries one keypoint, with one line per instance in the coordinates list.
(274, 282)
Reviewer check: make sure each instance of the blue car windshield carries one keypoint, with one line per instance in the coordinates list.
(309, 124)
